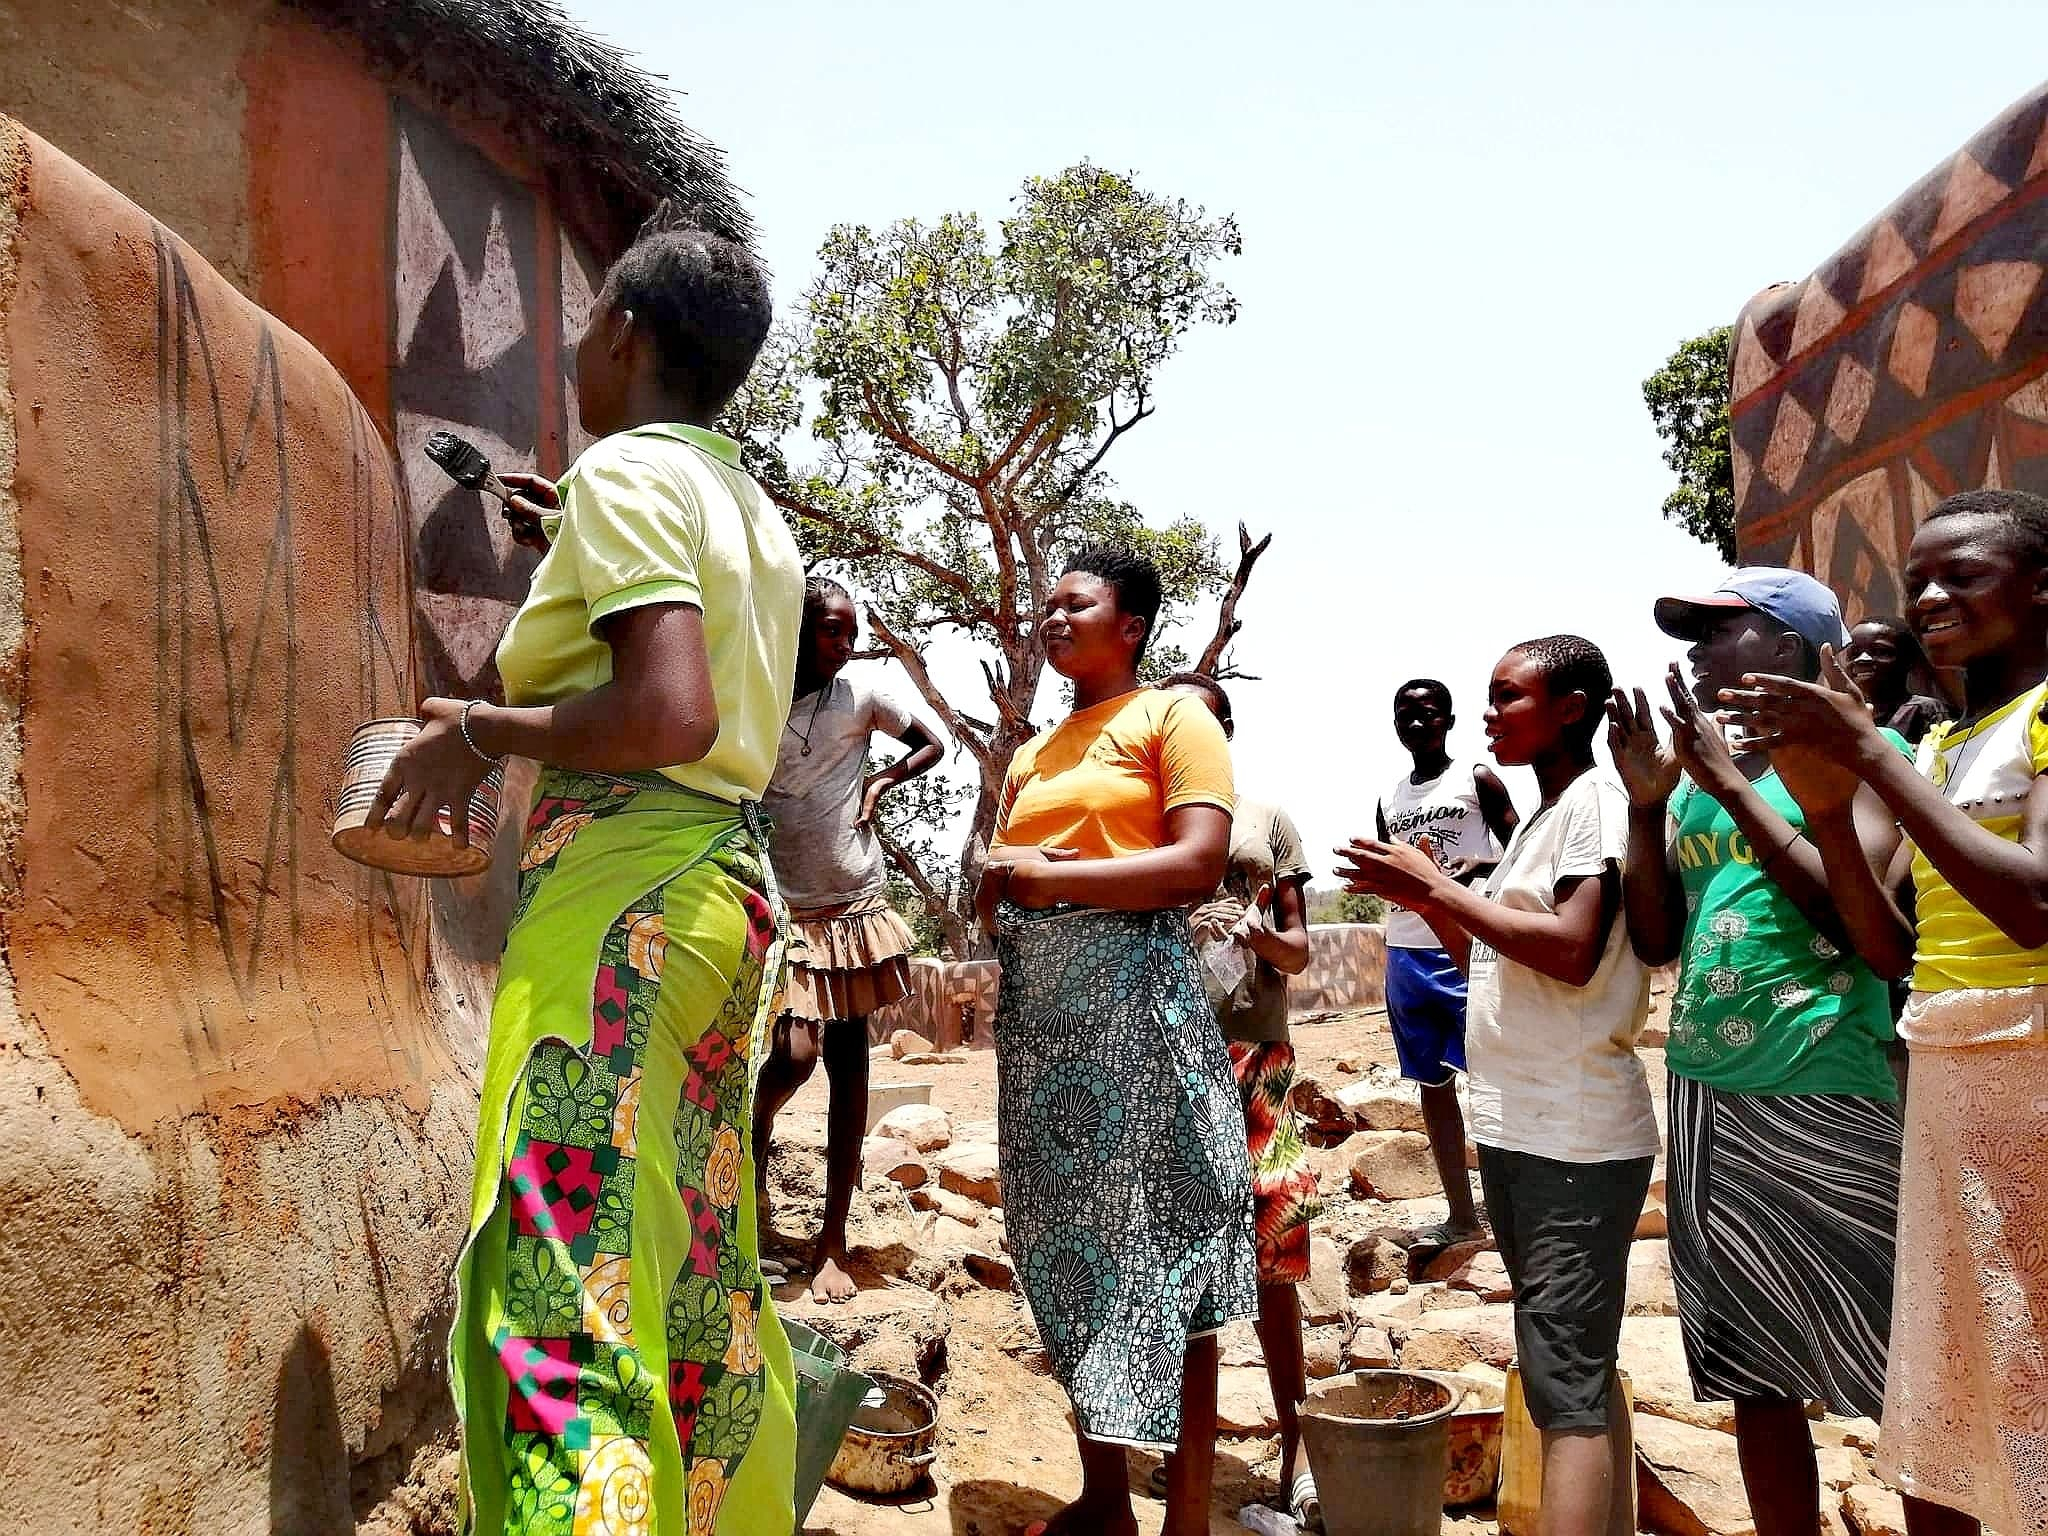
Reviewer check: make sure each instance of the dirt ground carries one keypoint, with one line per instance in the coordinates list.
(1006, 1454)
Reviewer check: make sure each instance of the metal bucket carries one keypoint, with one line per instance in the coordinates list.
(1377, 1442)
(891, 1444)
(829, 1392)
(370, 753)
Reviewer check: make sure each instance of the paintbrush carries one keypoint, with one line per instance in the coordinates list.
(467, 467)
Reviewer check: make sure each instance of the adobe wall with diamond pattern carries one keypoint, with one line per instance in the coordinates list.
(1908, 366)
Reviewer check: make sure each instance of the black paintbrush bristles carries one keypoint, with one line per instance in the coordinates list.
(462, 459)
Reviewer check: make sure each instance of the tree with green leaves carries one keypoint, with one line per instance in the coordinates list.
(963, 397)
(1688, 401)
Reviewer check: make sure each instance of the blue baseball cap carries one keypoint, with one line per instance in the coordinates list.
(1791, 598)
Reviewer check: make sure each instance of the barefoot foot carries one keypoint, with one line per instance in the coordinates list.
(832, 1283)
(1081, 1518)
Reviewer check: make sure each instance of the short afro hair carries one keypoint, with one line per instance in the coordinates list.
(1430, 686)
(1219, 700)
(1132, 576)
(704, 300)
(1573, 664)
(2024, 515)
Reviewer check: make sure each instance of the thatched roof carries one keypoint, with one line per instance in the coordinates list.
(524, 65)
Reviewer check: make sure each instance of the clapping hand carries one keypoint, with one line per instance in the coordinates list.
(1403, 873)
(1813, 730)
(1698, 743)
(1648, 768)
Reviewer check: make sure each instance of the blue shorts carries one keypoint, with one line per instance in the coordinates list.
(1426, 1006)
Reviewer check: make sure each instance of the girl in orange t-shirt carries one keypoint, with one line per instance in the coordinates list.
(1125, 1177)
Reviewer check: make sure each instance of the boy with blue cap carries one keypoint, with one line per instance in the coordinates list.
(1784, 1123)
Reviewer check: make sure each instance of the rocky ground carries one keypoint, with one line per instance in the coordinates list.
(938, 1303)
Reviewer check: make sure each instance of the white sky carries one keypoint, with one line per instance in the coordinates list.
(1470, 231)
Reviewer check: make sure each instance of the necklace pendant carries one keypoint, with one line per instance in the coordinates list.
(805, 753)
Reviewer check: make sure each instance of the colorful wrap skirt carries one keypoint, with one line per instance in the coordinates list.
(1126, 1184)
(1285, 1195)
(617, 1366)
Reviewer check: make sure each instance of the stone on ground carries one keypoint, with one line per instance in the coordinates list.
(1369, 1347)
(1324, 1295)
(970, 1169)
(1392, 1165)
(1447, 1339)
(1391, 1310)
(923, 1126)
(1244, 1401)
(1688, 1481)
(908, 1042)
(1840, 1467)
(896, 1328)
(935, 1059)
(1484, 1274)
(1238, 1344)
(896, 1161)
(968, 1213)
(1650, 1292)
(993, 1270)
(1872, 1510)
(1383, 1109)
(1322, 1349)
(1426, 1263)
(1373, 1265)
(1437, 1297)
(1317, 1104)
(1857, 1434)
(1653, 1354)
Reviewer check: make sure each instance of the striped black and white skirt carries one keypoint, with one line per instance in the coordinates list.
(1784, 1213)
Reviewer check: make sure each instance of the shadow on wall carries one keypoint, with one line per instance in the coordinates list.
(309, 1460)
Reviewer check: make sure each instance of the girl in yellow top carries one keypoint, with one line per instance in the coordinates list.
(1966, 1397)
(1125, 1176)
(615, 1360)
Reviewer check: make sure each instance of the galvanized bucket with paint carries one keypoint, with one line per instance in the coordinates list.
(370, 753)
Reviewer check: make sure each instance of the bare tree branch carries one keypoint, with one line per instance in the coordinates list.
(1227, 621)
(945, 575)
(913, 663)
(934, 901)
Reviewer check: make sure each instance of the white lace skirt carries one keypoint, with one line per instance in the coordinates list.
(1966, 1397)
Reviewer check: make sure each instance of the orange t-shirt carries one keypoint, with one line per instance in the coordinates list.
(1102, 780)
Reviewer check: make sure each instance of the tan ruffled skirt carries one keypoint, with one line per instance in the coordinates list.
(1966, 1400)
(849, 960)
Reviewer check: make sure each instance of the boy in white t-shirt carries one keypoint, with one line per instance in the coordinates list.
(1560, 1105)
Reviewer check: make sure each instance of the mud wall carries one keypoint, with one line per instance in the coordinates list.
(442, 270)
(1347, 968)
(236, 1105)
(237, 1073)
(1908, 366)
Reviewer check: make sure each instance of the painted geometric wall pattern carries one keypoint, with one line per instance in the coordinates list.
(475, 354)
(1908, 366)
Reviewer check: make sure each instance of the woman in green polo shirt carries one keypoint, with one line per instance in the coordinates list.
(615, 1360)
(1785, 1126)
